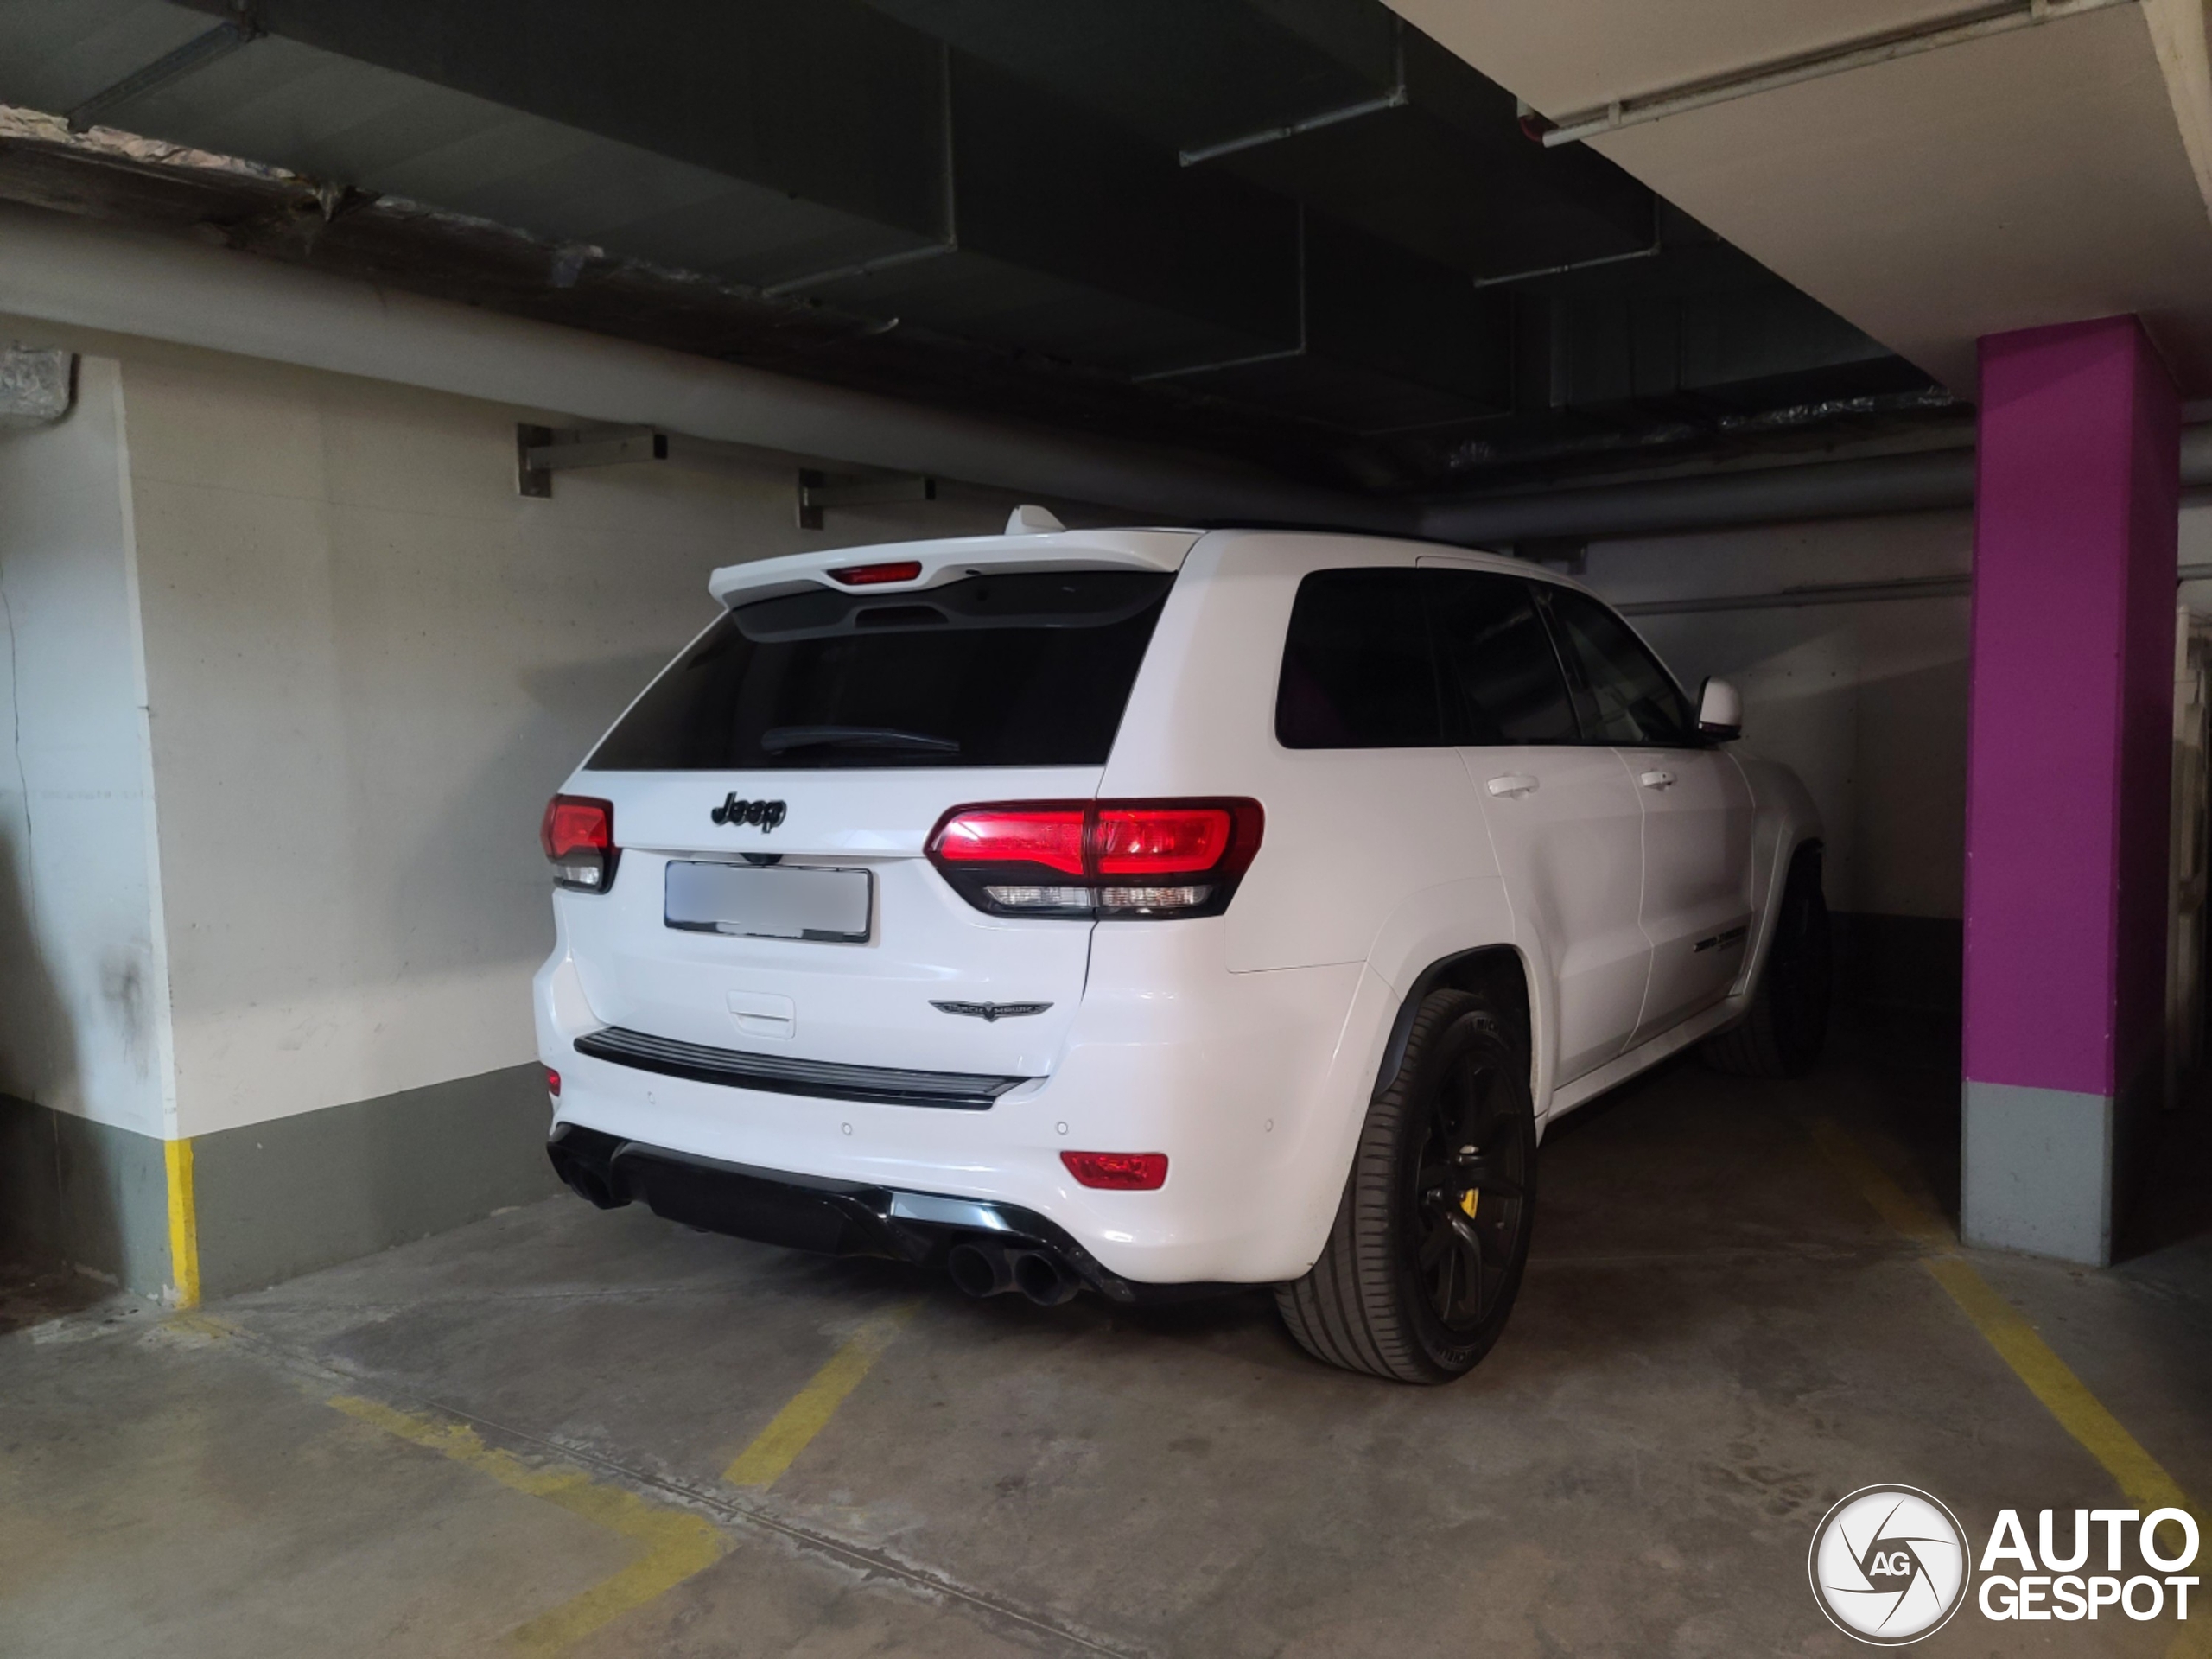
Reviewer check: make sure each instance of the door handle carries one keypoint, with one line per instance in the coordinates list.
(1655, 779)
(1513, 783)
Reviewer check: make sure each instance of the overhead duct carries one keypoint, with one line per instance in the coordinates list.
(1835, 489)
(1926, 481)
(63, 271)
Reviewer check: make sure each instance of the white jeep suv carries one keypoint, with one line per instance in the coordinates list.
(1153, 912)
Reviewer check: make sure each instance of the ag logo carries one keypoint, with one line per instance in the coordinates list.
(1888, 1565)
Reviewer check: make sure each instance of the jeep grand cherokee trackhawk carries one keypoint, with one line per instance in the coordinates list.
(1155, 911)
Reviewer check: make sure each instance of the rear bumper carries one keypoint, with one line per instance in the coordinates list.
(1252, 1084)
(812, 1212)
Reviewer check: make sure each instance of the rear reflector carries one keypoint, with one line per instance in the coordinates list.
(552, 1083)
(578, 836)
(1126, 1171)
(872, 575)
(1108, 860)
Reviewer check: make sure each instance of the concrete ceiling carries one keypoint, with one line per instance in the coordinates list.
(2034, 177)
(1296, 233)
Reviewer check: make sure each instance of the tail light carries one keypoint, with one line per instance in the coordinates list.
(552, 1083)
(1118, 861)
(578, 836)
(1125, 1172)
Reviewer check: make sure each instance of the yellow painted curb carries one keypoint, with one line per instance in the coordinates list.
(184, 1224)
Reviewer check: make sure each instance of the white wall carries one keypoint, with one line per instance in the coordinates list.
(84, 1000)
(1867, 701)
(370, 661)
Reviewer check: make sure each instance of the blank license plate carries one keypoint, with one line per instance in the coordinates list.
(771, 903)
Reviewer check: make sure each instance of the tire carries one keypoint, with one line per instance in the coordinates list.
(1424, 1259)
(1782, 1034)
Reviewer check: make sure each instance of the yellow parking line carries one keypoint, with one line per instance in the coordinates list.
(184, 1223)
(810, 1410)
(2064, 1395)
(676, 1545)
(2079, 1412)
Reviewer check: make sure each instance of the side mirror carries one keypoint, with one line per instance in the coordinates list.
(1720, 711)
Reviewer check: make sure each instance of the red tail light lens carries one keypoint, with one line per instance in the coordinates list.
(872, 575)
(578, 836)
(1108, 860)
(1050, 836)
(552, 1083)
(1161, 840)
(1126, 1172)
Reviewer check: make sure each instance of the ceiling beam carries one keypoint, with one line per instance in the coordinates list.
(74, 274)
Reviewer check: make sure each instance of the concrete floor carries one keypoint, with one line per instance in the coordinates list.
(1718, 1337)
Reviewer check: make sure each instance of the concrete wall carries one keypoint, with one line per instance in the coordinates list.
(83, 1024)
(1867, 701)
(368, 661)
(84, 997)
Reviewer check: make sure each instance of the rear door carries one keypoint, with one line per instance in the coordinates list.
(1564, 816)
(1697, 810)
(773, 791)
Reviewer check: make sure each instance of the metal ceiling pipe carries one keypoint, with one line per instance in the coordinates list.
(1927, 481)
(57, 270)
(1834, 489)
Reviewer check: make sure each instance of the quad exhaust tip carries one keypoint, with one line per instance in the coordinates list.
(588, 1183)
(982, 1270)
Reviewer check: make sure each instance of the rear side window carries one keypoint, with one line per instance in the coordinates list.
(1357, 671)
(1031, 668)
(1499, 663)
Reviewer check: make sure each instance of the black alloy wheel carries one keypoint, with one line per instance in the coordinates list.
(1420, 1271)
(1471, 1200)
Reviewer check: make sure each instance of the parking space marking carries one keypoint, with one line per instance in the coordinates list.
(676, 1545)
(2080, 1413)
(809, 1411)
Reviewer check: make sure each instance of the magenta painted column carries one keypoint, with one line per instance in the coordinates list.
(2066, 776)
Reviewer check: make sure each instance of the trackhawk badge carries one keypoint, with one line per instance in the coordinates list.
(992, 1011)
(767, 814)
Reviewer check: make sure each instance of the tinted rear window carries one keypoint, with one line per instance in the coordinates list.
(1025, 670)
(1357, 671)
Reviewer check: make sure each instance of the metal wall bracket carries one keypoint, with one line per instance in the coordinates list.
(820, 490)
(542, 451)
(36, 387)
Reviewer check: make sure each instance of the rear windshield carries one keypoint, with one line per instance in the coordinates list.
(1026, 670)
